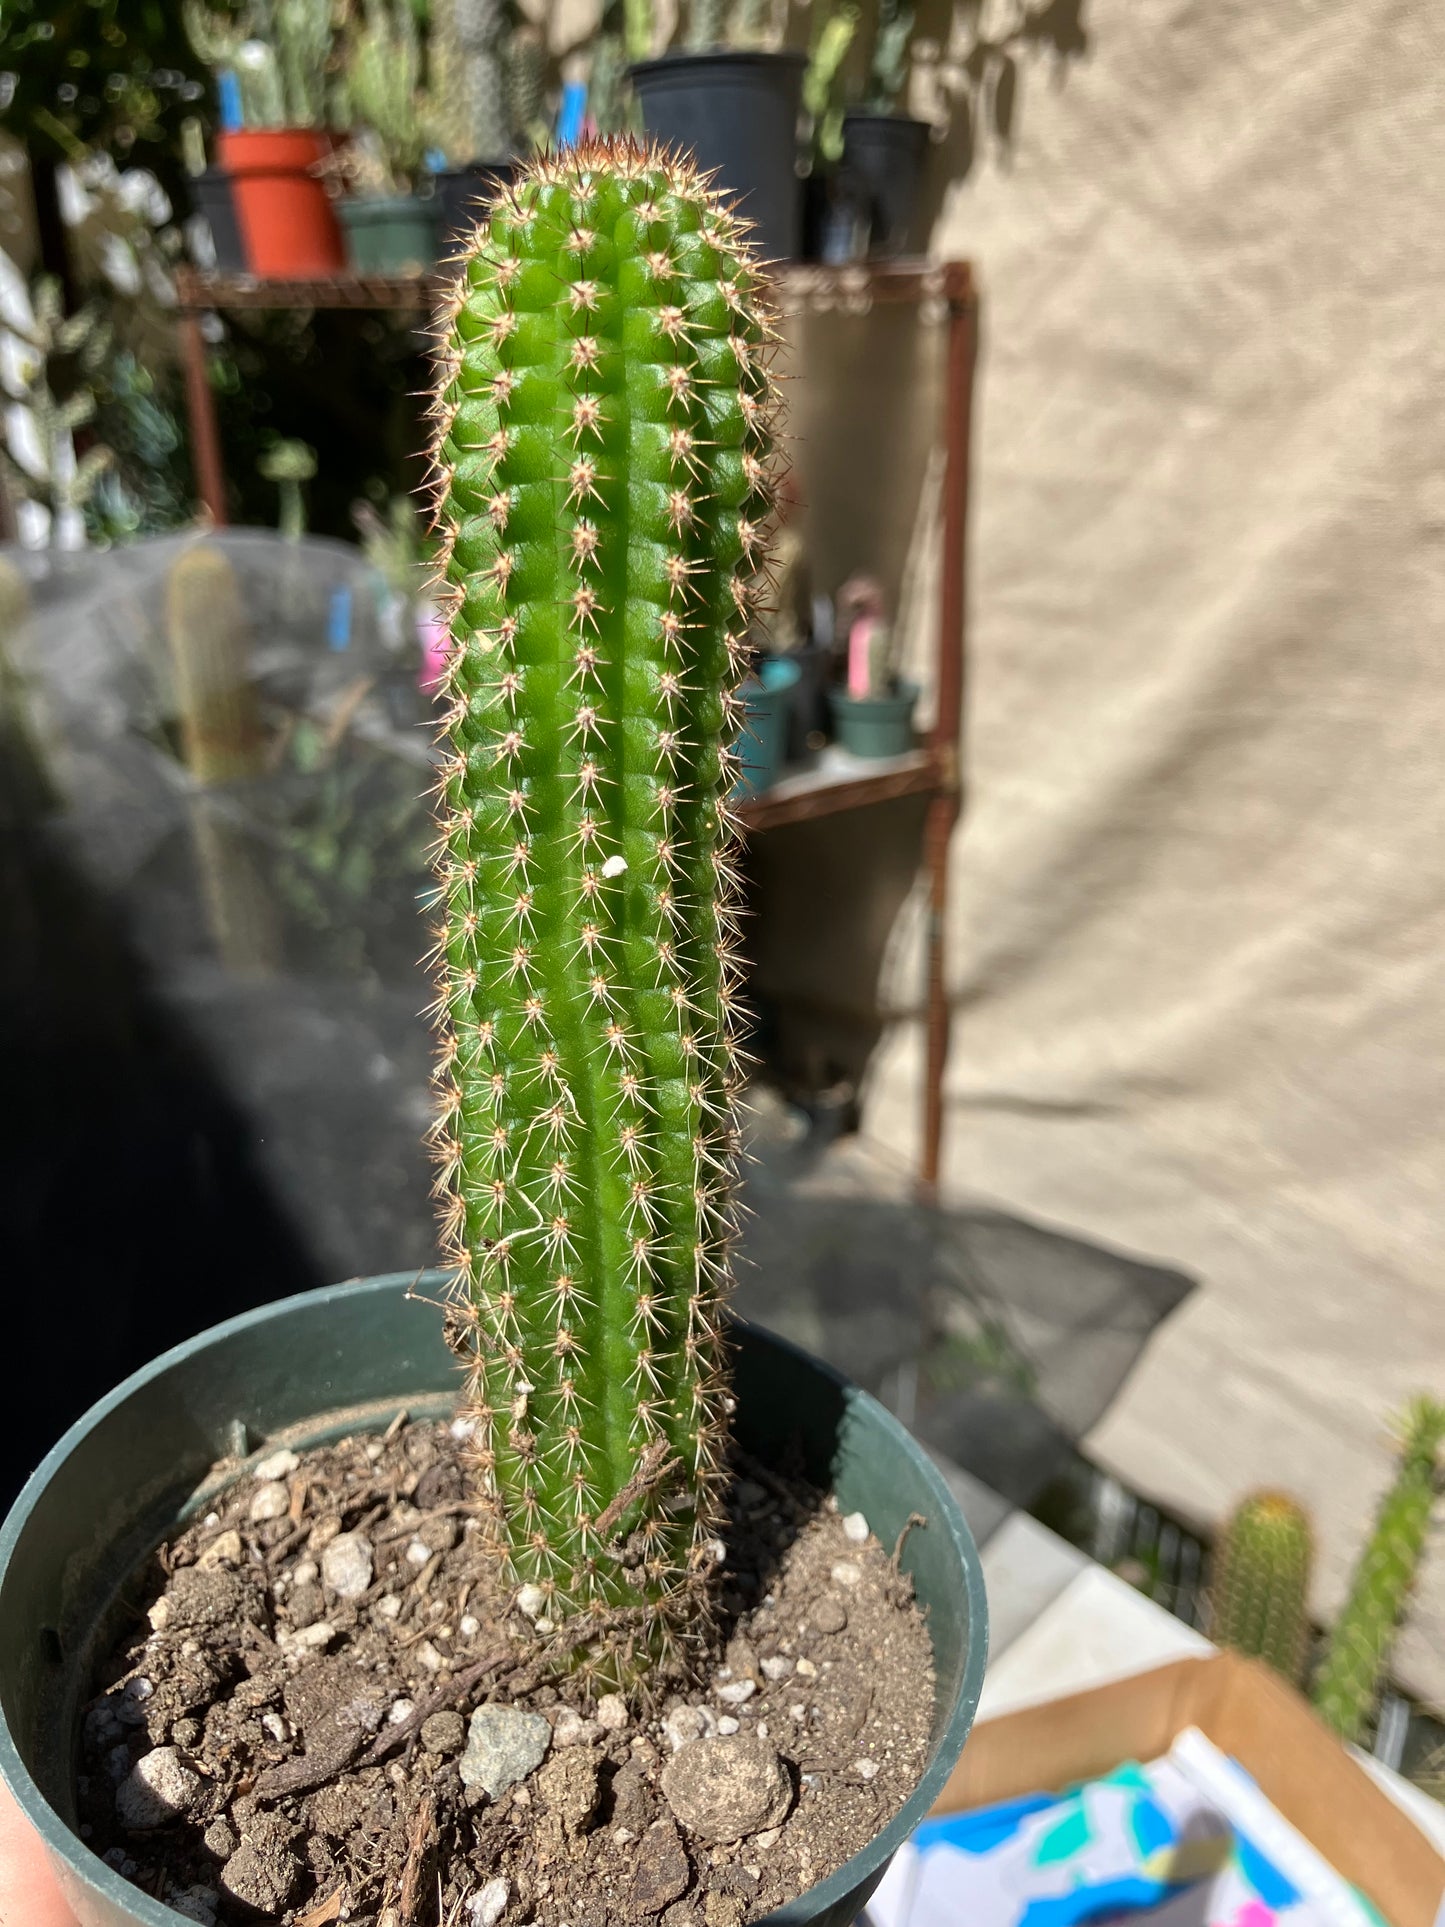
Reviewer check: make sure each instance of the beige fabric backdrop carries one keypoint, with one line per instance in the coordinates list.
(1198, 910)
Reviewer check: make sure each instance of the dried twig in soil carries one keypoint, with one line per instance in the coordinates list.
(420, 1841)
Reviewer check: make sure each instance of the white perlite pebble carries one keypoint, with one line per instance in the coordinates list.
(157, 1790)
(806, 1669)
(389, 1606)
(532, 1602)
(401, 1710)
(306, 1573)
(277, 1727)
(346, 1565)
(845, 1573)
(430, 1657)
(727, 1724)
(866, 1769)
(612, 1712)
(275, 1465)
(486, 1908)
(683, 1725)
(570, 1729)
(470, 1626)
(736, 1692)
(778, 1666)
(417, 1553)
(855, 1529)
(308, 1639)
(269, 1502)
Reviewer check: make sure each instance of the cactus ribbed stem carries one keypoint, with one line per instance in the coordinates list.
(1259, 1589)
(603, 434)
(1352, 1672)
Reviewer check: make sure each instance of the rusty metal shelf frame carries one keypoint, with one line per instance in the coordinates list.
(942, 289)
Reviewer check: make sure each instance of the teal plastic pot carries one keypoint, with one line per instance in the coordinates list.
(875, 726)
(346, 1359)
(767, 696)
(394, 234)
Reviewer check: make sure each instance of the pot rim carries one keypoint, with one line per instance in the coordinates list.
(706, 57)
(90, 1870)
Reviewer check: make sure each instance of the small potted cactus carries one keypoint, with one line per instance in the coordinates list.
(603, 444)
(477, 70)
(883, 147)
(1260, 1581)
(730, 95)
(390, 228)
(873, 710)
(273, 72)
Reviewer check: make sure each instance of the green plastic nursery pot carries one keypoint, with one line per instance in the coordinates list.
(875, 726)
(349, 1358)
(393, 234)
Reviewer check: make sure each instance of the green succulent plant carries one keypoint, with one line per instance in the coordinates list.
(383, 83)
(1259, 1586)
(603, 439)
(279, 51)
(1352, 1672)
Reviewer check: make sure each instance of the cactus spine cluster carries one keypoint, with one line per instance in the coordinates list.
(1259, 1588)
(604, 428)
(1347, 1687)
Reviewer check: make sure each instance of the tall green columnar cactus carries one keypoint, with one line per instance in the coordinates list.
(603, 436)
(1259, 1589)
(1348, 1684)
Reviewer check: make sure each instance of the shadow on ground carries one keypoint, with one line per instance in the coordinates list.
(998, 1341)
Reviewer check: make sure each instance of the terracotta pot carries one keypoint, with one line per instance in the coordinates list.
(285, 214)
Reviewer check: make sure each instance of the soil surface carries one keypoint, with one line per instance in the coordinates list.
(330, 1709)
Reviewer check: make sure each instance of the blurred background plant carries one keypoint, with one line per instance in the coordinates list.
(279, 56)
(50, 366)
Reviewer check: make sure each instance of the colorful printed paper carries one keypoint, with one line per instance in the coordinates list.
(1188, 1841)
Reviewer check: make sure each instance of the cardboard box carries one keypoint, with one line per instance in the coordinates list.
(1248, 1712)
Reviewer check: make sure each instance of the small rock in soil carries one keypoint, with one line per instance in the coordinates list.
(346, 1565)
(567, 1787)
(159, 1788)
(736, 1692)
(725, 1789)
(846, 1573)
(276, 1465)
(828, 1614)
(444, 1733)
(260, 1879)
(855, 1529)
(632, 1804)
(196, 1903)
(612, 1714)
(486, 1908)
(271, 1501)
(504, 1745)
(220, 1839)
(224, 1550)
(661, 1871)
(570, 1729)
(683, 1725)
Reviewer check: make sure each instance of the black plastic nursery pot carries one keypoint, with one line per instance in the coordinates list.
(346, 1359)
(463, 194)
(737, 113)
(883, 158)
(216, 206)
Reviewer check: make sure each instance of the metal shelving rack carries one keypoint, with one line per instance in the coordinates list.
(945, 288)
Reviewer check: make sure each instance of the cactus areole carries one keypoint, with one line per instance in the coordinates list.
(603, 439)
